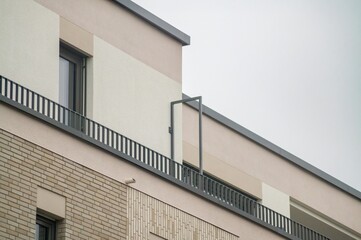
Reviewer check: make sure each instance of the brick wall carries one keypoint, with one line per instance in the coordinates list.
(96, 205)
(149, 218)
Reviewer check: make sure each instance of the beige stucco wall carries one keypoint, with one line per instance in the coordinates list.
(134, 99)
(29, 46)
(87, 155)
(124, 30)
(245, 155)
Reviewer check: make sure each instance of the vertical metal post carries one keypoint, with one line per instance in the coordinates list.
(172, 130)
(200, 112)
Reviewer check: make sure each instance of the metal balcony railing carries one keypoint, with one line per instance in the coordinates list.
(201, 184)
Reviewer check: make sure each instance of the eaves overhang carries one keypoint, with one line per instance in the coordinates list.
(155, 21)
(275, 149)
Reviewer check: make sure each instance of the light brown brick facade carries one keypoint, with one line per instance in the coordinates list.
(95, 204)
(149, 217)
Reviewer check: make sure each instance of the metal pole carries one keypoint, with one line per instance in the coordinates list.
(200, 111)
(172, 130)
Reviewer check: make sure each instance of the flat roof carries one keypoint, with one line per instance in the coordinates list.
(157, 22)
(274, 148)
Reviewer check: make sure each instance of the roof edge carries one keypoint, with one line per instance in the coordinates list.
(275, 149)
(157, 22)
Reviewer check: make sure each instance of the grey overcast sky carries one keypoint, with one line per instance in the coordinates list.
(288, 70)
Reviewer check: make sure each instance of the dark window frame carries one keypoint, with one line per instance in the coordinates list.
(77, 90)
(48, 224)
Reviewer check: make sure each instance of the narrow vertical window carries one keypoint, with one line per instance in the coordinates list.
(72, 82)
(45, 228)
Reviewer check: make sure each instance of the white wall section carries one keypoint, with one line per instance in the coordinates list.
(275, 200)
(29, 46)
(134, 99)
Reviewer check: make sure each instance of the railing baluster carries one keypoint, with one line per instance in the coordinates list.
(117, 141)
(43, 106)
(144, 155)
(37, 102)
(64, 113)
(32, 97)
(48, 107)
(161, 160)
(126, 146)
(16, 92)
(140, 153)
(112, 138)
(11, 91)
(91, 129)
(6, 88)
(130, 148)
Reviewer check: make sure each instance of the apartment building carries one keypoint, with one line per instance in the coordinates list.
(97, 140)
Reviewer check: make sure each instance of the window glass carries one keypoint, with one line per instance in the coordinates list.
(45, 228)
(72, 80)
(64, 72)
(72, 84)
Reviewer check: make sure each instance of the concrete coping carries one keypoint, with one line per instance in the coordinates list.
(157, 22)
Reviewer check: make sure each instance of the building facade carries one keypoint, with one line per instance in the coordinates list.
(86, 89)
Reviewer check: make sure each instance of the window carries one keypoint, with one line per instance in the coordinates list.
(72, 84)
(45, 228)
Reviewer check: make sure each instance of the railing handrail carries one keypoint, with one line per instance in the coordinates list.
(204, 184)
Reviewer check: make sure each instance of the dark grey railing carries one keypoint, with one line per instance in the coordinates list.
(200, 183)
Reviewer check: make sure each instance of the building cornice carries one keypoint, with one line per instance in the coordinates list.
(275, 149)
(157, 22)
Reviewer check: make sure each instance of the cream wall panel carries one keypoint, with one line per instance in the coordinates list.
(134, 99)
(29, 46)
(275, 200)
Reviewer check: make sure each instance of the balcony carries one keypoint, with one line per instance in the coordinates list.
(183, 176)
